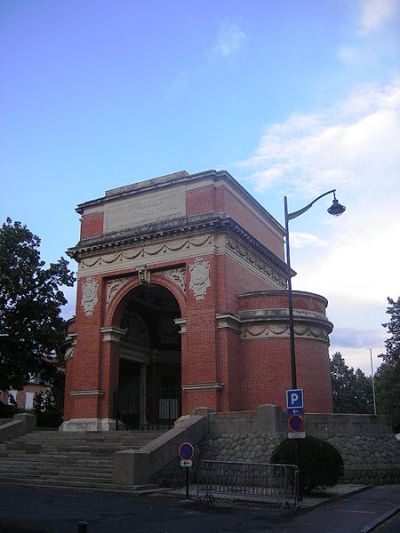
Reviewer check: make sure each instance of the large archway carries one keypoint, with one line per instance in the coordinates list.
(149, 388)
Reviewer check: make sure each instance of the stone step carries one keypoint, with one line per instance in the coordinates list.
(39, 472)
(103, 436)
(59, 481)
(55, 466)
(123, 489)
(67, 460)
(58, 460)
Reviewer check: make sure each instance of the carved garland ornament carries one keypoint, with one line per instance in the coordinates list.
(199, 278)
(254, 260)
(282, 330)
(145, 251)
(89, 296)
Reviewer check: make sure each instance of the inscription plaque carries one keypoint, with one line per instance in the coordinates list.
(144, 209)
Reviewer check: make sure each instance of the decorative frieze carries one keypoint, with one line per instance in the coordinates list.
(136, 256)
(261, 331)
(254, 261)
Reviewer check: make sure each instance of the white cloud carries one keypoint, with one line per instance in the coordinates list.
(299, 239)
(354, 147)
(356, 139)
(375, 14)
(359, 357)
(230, 39)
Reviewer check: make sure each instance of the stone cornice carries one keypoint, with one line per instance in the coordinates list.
(275, 315)
(202, 386)
(157, 232)
(262, 323)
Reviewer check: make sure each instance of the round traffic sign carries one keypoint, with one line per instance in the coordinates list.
(296, 423)
(186, 451)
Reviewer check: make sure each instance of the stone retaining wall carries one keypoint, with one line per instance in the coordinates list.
(370, 450)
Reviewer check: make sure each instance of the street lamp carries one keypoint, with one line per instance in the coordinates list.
(336, 209)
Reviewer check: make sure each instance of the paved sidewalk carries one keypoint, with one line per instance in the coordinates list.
(36, 510)
(360, 512)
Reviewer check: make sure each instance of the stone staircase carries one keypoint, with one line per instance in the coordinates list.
(73, 460)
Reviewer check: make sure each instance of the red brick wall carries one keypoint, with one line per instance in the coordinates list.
(309, 302)
(92, 225)
(266, 373)
(239, 280)
(260, 230)
(87, 355)
(210, 198)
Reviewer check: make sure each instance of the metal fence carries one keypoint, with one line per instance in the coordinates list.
(252, 481)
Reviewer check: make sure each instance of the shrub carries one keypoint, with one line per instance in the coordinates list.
(320, 464)
(48, 413)
(7, 411)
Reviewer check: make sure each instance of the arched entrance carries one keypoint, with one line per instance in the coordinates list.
(149, 387)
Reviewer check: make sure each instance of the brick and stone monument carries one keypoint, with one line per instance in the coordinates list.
(182, 303)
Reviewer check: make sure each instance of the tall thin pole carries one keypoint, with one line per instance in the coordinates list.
(373, 380)
(290, 301)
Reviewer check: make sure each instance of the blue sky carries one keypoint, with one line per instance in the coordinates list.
(293, 97)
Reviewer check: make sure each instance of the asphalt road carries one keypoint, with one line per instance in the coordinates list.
(34, 510)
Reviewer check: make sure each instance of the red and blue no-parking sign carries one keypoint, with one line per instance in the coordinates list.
(186, 451)
(296, 423)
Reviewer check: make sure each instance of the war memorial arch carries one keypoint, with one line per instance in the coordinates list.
(182, 303)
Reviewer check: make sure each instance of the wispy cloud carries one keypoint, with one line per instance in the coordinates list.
(376, 37)
(359, 338)
(230, 39)
(375, 14)
(354, 140)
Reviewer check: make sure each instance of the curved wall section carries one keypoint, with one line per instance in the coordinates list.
(265, 361)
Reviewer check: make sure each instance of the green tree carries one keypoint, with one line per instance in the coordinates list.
(387, 390)
(392, 344)
(31, 299)
(49, 406)
(351, 390)
(387, 378)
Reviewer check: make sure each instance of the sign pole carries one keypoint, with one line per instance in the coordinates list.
(187, 484)
(186, 451)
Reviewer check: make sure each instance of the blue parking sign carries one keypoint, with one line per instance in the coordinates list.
(294, 398)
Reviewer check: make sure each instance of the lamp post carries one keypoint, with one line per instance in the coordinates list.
(336, 209)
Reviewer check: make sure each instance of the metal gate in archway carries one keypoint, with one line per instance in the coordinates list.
(156, 408)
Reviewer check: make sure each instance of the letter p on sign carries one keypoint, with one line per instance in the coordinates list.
(294, 398)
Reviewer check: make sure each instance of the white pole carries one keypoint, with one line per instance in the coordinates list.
(373, 381)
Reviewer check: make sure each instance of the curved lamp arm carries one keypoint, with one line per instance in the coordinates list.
(296, 214)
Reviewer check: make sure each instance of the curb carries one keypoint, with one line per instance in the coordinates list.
(334, 498)
(378, 521)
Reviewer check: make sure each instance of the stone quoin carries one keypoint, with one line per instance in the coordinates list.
(182, 286)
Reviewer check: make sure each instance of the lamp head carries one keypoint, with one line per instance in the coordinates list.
(336, 209)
